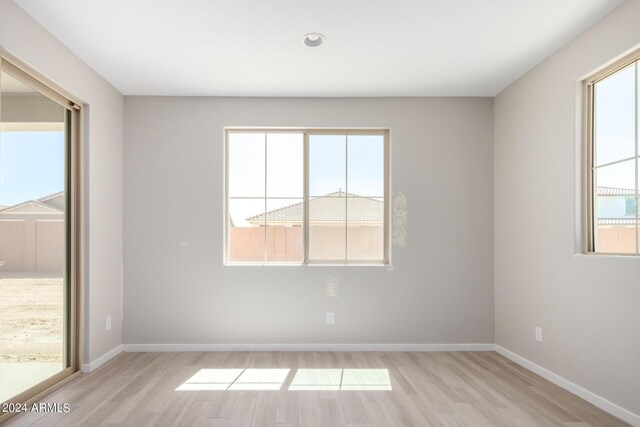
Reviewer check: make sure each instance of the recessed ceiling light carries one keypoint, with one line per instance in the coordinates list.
(313, 39)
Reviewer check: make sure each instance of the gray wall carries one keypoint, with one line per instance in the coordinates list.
(588, 306)
(178, 291)
(27, 40)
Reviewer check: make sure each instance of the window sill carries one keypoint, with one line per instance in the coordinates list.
(605, 255)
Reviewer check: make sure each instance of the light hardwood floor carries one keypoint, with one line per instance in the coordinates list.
(428, 389)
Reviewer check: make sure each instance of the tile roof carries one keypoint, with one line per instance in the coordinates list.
(43, 201)
(617, 221)
(614, 191)
(329, 207)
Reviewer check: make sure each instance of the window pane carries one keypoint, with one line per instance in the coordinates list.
(246, 153)
(620, 176)
(284, 230)
(615, 228)
(615, 117)
(365, 228)
(285, 162)
(327, 164)
(327, 220)
(246, 230)
(365, 176)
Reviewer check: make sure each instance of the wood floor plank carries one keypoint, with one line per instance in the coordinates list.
(264, 413)
(309, 409)
(378, 417)
(287, 411)
(215, 422)
(352, 407)
(196, 414)
(243, 410)
(331, 414)
(441, 389)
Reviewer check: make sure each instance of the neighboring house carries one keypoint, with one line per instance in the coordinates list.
(283, 234)
(616, 219)
(56, 201)
(328, 210)
(615, 206)
(41, 208)
(32, 235)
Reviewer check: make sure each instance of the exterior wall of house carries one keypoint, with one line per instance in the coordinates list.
(285, 243)
(612, 207)
(30, 244)
(247, 244)
(12, 245)
(615, 238)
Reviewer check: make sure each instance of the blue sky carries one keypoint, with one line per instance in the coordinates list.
(31, 165)
(615, 129)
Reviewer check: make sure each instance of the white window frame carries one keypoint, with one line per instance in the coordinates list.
(306, 132)
(589, 198)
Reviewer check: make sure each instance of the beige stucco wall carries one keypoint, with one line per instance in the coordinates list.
(616, 239)
(35, 245)
(285, 243)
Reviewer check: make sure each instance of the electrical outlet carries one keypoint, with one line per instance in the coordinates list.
(108, 323)
(538, 334)
(330, 318)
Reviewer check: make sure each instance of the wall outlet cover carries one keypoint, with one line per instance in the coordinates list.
(330, 318)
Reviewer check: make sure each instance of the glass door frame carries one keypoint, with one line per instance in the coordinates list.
(74, 226)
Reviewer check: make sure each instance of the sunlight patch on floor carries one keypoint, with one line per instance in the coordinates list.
(303, 380)
(341, 379)
(236, 379)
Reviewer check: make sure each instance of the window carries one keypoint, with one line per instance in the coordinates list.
(39, 233)
(612, 158)
(306, 196)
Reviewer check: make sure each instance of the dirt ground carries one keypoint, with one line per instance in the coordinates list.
(31, 319)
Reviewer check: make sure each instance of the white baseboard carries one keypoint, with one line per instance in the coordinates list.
(587, 395)
(95, 364)
(305, 347)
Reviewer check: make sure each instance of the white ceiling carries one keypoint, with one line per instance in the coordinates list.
(372, 47)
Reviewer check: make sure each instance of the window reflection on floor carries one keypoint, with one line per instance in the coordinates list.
(236, 379)
(317, 379)
(260, 379)
(303, 380)
(341, 379)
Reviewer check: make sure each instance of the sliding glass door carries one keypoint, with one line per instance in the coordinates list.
(37, 279)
